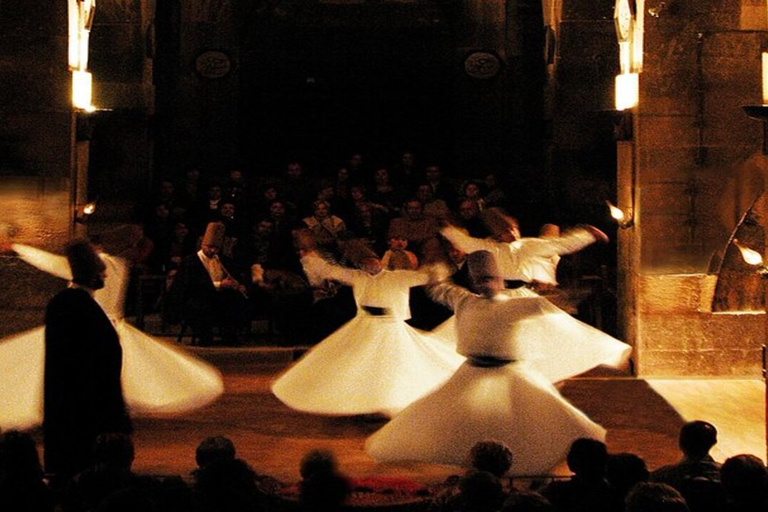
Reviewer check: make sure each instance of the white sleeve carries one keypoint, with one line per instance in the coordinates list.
(465, 242)
(448, 294)
(54, 264)
(317, 269)
(571, 242)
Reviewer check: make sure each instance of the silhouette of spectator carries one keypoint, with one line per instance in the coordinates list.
(441, 188)
(469, 219)
(479, 491)
(624, 471)
(22, 487)
(655, 497)
(420, 231)
(322, 487)
(588, 488)
(213, 449)
(526, 501)
(491, 456)
(226, 485)
(110, 472)
(745, 480)
(696, 439)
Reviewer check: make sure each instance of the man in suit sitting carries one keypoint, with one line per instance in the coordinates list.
(206, 295)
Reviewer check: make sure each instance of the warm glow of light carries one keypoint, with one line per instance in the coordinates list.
(82, 85)
(89, 208)
(616, 212)
(74, 40)
(627, 90)
(751, 257)
(625, 56)
(765, 78)
(637, 37)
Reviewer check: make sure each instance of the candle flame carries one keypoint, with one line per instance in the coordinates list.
(616, 212)
(751, 257)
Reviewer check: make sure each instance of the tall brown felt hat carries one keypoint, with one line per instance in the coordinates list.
(214, 234)
(482, 264)
(83, 261)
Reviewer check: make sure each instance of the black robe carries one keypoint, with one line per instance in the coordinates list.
(83, 391)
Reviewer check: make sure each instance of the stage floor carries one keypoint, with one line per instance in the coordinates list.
(642, 417)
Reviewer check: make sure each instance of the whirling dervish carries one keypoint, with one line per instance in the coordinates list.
(375, 363)
(157, 377)
(496, 394)
(578, 347)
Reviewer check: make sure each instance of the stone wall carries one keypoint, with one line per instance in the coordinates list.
(45, 147)
(692, 142)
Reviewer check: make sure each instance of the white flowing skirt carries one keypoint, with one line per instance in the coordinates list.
(562, 346)
(371, 364)
(158, 377)
(512, 404)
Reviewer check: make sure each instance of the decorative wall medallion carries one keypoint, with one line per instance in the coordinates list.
(482, 65)
(213, 64)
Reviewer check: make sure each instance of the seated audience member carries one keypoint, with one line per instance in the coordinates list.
(386, 192)
(207, 208)
(745, 481)
(473, 191)
(298, 187)
(695, 440)
(227, 485)
(326, 191)
(420, 231)
(478, 491)
(405, 172)
(237, 189)
(110, 472)
(234, 228)
(526, 501)
(281, 250)
(22, 487)
(490, 457)
(325, 226)
(588, 488)
(469, 218)
(370, 223)
(322, 487)
(205, 294)
(181, 245)
(494, 194)
(441, 188)
(434, 207)
(655, 497)
(398, 248)
(214, 449)
(624, 471)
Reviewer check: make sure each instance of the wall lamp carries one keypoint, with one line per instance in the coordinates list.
(622, 217)
(751, 257)
(84, 212)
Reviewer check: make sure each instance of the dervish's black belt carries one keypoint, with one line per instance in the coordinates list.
(514, 284)
(375, 310)
(488, 361)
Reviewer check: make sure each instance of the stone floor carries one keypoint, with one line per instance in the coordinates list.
(641, 417)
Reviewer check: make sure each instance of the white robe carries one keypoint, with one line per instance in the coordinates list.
(371, 364)
(565, 346)
(513, 403)
(158, 377)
